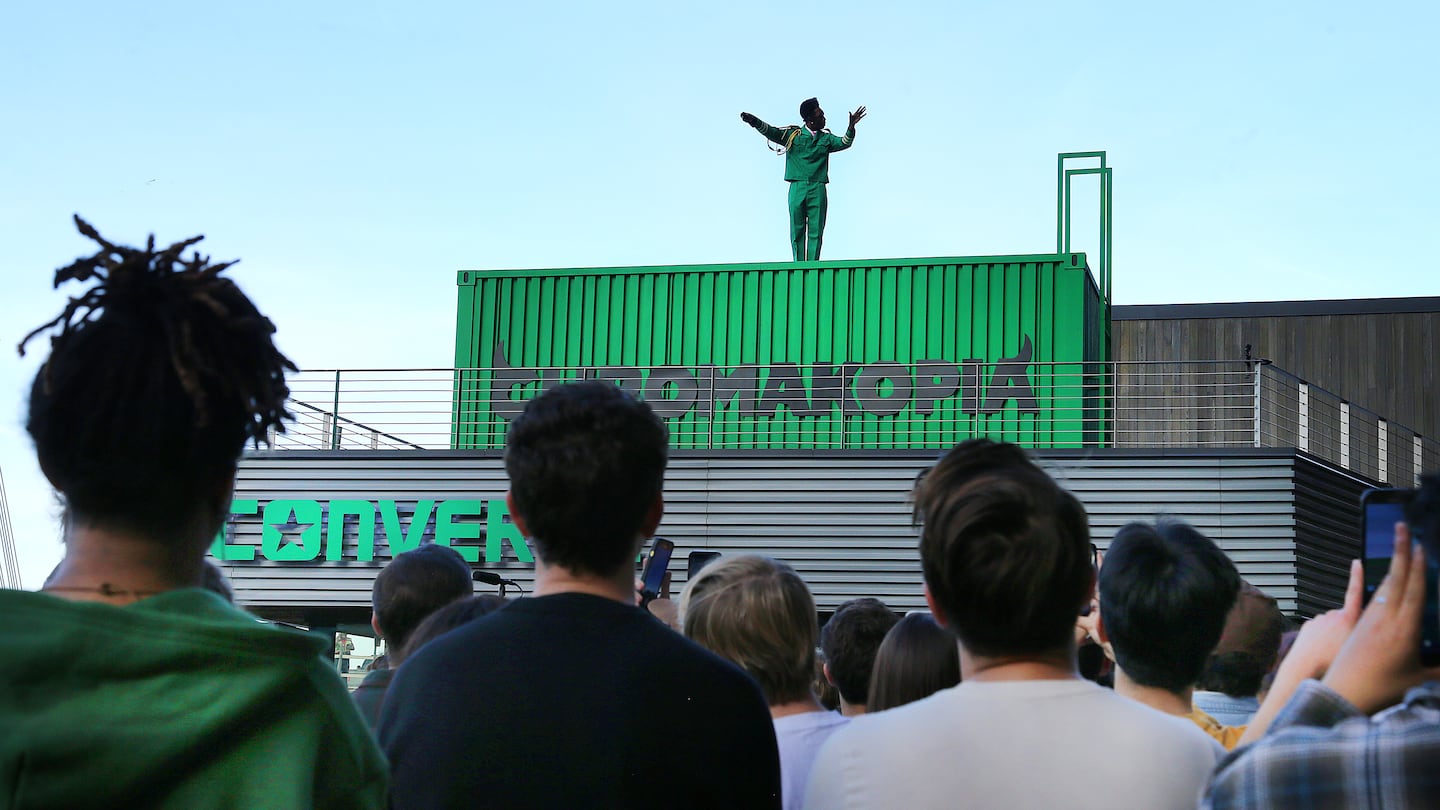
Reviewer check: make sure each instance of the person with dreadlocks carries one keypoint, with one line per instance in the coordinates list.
(127, 684)
(807, 169)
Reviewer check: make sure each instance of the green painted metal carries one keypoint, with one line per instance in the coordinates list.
(830, 319)
(1106, 174)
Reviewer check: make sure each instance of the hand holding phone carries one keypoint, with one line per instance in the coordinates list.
(652, 578)
(1383, 510)
(1381, 660)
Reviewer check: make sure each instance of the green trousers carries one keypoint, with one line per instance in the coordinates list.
(807, 218)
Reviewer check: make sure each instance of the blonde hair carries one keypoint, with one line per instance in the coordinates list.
(756, 612)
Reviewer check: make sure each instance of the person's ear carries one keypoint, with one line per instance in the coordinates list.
(375, 625)
(825, 668)
(515, 516)
(1100, 634)
(934, 608)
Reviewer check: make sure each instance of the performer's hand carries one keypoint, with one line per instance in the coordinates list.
(750, 119)
(857, 115)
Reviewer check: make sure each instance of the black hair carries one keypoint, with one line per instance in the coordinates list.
(808, 108)
(850, 640)
(158, 374)
(586, 462)
(450, 617)
(1165, 592)
(1005, 550)
(917, 659)
(414, 585)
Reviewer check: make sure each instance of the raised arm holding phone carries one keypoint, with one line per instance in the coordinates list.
(1370, 727)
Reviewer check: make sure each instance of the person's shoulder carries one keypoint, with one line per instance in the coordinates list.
(685, 657)
(878, 730)
(1150, 729)
(453, 651)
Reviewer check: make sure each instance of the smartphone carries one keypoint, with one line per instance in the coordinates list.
(652, 577)
(1382, 509)
(697, 562)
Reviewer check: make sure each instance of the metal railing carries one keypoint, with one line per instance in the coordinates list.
(1209, 404)
(9, 563)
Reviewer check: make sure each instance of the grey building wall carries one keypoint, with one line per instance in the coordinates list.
(1379, 353)
(1289, 521)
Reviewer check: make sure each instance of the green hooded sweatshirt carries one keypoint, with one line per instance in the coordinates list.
(179, 700)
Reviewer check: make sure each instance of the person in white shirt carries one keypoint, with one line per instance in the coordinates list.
(758, 613)
(1005, 553)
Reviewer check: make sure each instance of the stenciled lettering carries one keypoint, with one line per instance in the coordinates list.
(282, 518)
(883, 388)
(303, 530)
(869, 382)
(1010, 381)
(364, 514)
(401, 542)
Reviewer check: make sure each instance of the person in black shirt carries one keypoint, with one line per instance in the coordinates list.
(575, 697)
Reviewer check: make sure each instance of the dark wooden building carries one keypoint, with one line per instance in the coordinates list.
(1378, 353)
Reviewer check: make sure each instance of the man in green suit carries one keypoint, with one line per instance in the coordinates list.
(807, 169)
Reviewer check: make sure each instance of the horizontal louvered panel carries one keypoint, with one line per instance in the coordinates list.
(842, 519)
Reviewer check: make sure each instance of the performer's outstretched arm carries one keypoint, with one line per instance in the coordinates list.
(839, 144)
(775, 134)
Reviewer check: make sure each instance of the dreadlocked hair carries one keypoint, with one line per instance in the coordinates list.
(158, 375)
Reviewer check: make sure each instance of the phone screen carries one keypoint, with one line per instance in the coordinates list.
(697, 562)
(655, 565)
(1383, 509)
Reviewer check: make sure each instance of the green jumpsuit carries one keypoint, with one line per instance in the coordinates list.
(807, 169)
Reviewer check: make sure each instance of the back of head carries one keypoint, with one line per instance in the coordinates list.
(1165, 592)
(158, 375)
(808, 108)
(850, 640)
(456, 614)
(1005, 550)
(1248, 645)
(758, 613)
(586, 463)
(917, 659)
(414, 585)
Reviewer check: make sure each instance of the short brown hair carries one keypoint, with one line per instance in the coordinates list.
(1005, 550)
(758, 613)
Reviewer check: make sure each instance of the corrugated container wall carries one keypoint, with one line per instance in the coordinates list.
(883, 354)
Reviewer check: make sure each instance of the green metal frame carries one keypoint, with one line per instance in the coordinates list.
(1063, 211)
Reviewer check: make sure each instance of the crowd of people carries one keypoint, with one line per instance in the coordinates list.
(1043, 675)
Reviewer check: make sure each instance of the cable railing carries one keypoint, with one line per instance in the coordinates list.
(882, 405)
(9, 563)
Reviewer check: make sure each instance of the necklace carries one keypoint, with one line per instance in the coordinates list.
(105, 589)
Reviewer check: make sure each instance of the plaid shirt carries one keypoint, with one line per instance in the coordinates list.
(1323, 752)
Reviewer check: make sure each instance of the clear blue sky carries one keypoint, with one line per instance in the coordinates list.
(355, 155)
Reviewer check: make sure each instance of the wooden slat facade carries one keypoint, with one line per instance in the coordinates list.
(1379, 354)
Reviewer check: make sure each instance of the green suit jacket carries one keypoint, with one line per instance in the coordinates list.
(807, 153)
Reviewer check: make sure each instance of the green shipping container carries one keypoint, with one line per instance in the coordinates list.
(811, 355)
